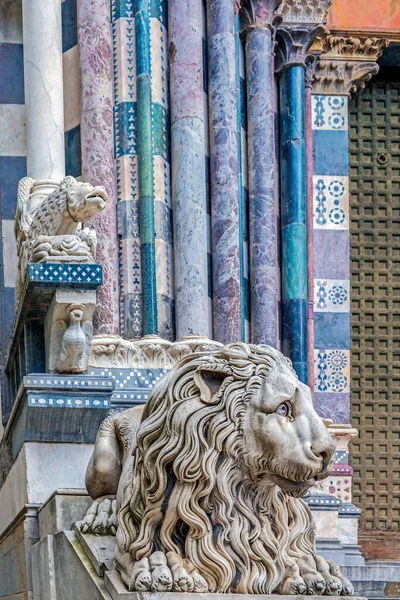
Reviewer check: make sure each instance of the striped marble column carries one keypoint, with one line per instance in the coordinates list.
(145, 167)
(224, 170)
(125, 125)
(300, 24)
(160, 134)
(97, 143)
(293, 219)
(188, 168)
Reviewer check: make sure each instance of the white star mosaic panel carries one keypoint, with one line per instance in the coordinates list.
(332, 371)
(65, 273)
(132, 386)
(331, 202)
(332, 295)
(330, 113)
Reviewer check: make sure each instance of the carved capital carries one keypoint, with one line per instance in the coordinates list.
(302, 22)
(346, 64)
(293, 43)
(256, 14)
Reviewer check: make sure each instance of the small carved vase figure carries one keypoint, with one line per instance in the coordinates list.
(209, 477)
(75, 344)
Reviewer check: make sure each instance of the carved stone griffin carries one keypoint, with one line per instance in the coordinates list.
(210, 476)
(52, 230)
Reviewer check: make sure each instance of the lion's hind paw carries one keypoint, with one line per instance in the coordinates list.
(101, 518)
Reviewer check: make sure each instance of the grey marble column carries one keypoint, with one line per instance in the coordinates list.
(256, 20)
(188, 168)
(224, 170)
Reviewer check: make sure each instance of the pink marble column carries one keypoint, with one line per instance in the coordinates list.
(97, 143)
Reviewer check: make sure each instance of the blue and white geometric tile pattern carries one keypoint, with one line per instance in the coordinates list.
(331, 202)
(331, 295)
(331, 225)
(332, 371)
(76, 275)
(329, 112)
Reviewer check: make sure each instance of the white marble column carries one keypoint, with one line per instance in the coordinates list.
(44, 89)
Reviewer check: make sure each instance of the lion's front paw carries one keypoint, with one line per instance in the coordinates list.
(333, 583)
(314, 581)
(293, 586)
(347, 586)
(182, 581)
(161, 576)
(141, 577)
(101, 518)
(293, 583)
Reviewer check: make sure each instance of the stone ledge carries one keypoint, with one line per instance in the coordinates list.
(118, 591)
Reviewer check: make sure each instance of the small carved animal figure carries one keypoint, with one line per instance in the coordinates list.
(54, 227)
(210, 475)
(75, 344)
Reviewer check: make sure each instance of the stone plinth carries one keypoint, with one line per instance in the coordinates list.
(27, 332)
(57, 408)
(118, 591)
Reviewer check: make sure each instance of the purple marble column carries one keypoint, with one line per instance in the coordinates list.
(264, 268)
(224, 170)
(97, 143)
(188, 167)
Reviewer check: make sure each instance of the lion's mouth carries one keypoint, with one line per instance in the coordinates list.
(293, 488)
(98, 194)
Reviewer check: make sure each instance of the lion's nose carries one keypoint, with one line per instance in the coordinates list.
(325, 452)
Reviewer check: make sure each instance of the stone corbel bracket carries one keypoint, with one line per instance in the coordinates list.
(150, 352)
(346, 64)
(69, 331)
(302, 22)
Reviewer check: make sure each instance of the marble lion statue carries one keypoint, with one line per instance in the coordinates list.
(209, 477)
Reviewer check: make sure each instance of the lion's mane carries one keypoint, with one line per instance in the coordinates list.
(191, 491)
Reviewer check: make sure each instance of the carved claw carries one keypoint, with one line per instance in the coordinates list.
(101, 518)
(314, 581)
(163, 573)
(141, 576)
(182, 581)
(333, 584)
(161, 576)
(347, 586)
(293, 583)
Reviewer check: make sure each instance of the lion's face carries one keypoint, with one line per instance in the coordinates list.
(84, 201)
(286, 443)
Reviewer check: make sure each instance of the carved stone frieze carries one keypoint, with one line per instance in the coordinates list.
(304, 11)
(346, 63)
(111, 351)
(49, 228)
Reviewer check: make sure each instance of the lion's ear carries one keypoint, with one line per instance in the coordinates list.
(209, 383)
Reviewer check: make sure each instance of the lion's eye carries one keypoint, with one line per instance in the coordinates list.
(284, 410)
